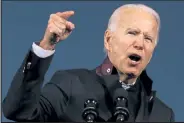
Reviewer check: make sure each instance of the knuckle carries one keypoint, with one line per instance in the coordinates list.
(53, 30)
(58, 13)
(50, 21)
(52, 15)
(50, 30)
(49, 26)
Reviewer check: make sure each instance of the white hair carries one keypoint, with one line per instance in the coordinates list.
(112, 24)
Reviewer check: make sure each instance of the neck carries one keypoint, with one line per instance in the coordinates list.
(127, 78)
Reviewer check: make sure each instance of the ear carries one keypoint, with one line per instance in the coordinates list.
(107, 40)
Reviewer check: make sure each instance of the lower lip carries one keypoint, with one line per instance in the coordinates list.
(134, 63)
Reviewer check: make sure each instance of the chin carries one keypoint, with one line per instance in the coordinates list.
(133, 71)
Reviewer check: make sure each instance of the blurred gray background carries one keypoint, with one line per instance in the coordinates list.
(25, 22)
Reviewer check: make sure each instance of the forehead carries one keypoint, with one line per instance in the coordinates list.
(138, 18)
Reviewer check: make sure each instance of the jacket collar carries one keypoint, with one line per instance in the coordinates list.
(107, 68)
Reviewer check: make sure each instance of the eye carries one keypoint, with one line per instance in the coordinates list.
(149, 39)
(132, 32)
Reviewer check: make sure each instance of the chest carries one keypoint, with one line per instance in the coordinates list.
(80, 94)
(91, 89)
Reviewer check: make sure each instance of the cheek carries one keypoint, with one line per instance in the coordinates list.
(119, 48)
(120, 45)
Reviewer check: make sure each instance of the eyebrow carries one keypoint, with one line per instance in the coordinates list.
(128, 29)
(145, 33)
(149, 35)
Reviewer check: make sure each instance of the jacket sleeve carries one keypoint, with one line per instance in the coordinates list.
(25, 101)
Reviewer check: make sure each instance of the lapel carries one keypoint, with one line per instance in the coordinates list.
(154, 106)
(105, 108)
(142, 110)
(108, 71)
(145, 107)
(110, 82)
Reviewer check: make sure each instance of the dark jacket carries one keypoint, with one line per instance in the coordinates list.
(63, 97)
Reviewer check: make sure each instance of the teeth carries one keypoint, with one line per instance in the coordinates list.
(134, 61)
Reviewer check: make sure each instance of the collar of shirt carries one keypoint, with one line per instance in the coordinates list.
(126, 86)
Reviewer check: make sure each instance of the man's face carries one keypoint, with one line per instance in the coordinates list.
(131, 46)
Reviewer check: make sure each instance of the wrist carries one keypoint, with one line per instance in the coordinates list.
(47, 46)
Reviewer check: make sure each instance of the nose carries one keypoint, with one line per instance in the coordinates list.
(139, 43)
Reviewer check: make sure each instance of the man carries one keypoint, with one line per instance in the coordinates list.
(129, 42)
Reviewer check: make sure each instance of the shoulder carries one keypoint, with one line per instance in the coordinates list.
(164, 108)
(162, 104)
(70, 75)
(65, 80)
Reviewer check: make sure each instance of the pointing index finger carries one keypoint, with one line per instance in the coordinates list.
(65, 14)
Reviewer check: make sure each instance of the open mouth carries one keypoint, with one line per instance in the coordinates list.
(135, 57)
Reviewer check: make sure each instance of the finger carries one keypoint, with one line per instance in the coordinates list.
(61, 26)
(68, 32)
(58, 21)
(55, 30)
(70, 25)
(57, 18)
(65, 14)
